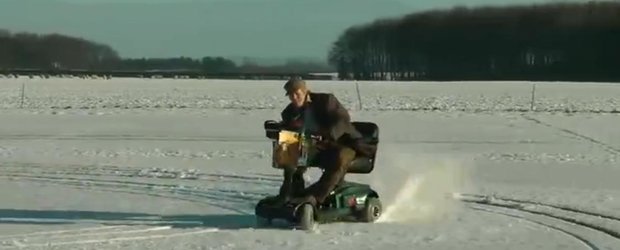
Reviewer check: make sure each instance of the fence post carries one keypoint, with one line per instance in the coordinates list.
(21, 105)
(359, 97)
(533, 96)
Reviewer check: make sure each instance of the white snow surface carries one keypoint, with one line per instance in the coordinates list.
(180, 164)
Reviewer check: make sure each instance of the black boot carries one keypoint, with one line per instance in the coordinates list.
(298, 183)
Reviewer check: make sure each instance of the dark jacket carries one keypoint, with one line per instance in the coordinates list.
(332, 119)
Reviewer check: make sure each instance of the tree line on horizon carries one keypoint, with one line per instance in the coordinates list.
(559, 41)
(29, 50)
(46, 52)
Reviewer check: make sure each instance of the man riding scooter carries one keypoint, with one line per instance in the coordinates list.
(319, 114)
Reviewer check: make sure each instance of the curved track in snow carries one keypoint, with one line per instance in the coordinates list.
(116, 179)
(196, 188)
(594, 230)
(92, 235)
(590, 229)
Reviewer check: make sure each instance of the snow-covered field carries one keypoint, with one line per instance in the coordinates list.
(179, 164)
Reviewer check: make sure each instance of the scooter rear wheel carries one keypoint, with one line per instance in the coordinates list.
(372, 211)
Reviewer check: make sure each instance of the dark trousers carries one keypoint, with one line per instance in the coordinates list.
(333, 160)
(293, 184)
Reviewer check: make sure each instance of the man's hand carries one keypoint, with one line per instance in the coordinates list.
(323, 144)
(324, 134)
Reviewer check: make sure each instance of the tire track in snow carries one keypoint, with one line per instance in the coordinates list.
(552, 211)
(596, 225)
(60, 232)
(154, 173)
(81, 235)
(123, 181)
(240, 201)
(538, 203)
(112, 240)
(120, 189)
(214, 197)
(586, 242)
(104, 233)
(605, 146)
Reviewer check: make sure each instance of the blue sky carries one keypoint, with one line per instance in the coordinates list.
(273, 29)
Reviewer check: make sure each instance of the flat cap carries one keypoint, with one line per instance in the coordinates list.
(294, 83)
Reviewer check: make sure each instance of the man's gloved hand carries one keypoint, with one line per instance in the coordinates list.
(324, 134)
(323, 144)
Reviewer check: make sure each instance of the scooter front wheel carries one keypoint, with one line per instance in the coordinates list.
(306, 217)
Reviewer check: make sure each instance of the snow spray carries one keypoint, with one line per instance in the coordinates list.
(418, 187)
